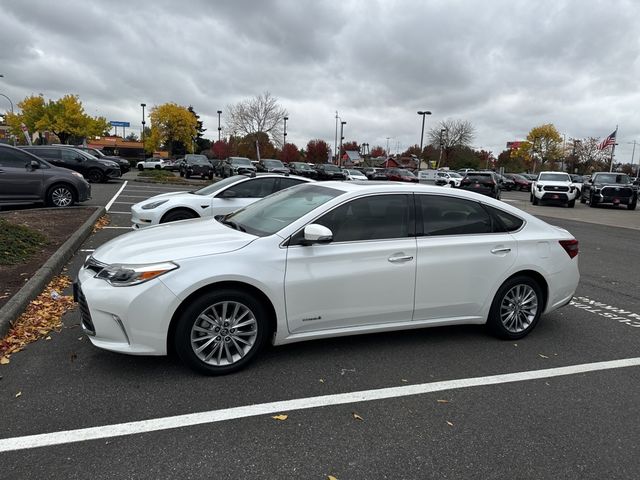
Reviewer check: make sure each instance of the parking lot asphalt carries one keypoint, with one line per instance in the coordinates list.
(578, 425)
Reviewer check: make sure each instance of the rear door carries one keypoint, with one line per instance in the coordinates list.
(462, 258)
(18, 181)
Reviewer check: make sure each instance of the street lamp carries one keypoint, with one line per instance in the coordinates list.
(442, 132)
(284, 135)
(143, 124)
(342, 124)
(219, 127)
(426, 112)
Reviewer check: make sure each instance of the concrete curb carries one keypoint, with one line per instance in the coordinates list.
(30, 290)
(185, 183)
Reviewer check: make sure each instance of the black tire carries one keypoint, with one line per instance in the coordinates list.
(181, 173)
(535, 200)
(187, 175)
(95, 176)
(632, 205)
(140, 168)
(571, 203)
(178, 214)
(210, 176)
(157, 167)
(531, 197)
(508, 327)
(593, 203)
(60, 195)
(453, 184)
(185, 338)
(583, 199)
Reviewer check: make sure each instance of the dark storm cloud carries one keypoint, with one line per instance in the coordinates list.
(506, 66)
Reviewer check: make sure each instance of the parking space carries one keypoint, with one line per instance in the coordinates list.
(555, 418)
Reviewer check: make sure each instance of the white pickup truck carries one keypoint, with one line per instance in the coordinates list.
(554, 187)
(156, 163)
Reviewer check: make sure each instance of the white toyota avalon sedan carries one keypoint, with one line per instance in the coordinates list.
(389, 256)
(218, 198)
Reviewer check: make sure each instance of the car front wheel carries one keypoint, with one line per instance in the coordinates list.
(60, 196)
(94, 175)
(221, 332)
(516, 308)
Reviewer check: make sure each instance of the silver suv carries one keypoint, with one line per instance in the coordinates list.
(25, 179)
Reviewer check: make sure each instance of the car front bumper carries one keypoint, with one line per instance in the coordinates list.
(144, 218)
(133, 320)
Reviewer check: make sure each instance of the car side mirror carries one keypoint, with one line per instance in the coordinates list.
(33, 165)
(228, 194)
(315, 233)
(79, 159)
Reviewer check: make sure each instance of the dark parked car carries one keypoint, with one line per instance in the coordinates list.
(236, 166)
(530, 176)
(216, 163)
(123, 163)
(506, 183)
(521, 183)
(610, 187)
(91, 168)
(486, 183)
(302, 169)
(329, 171)
(373, 173)
(400, 175)
(196, 166)
(25, 179)
(271, 165)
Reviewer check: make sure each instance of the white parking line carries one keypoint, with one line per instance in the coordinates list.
(118, 228)
(116, 196)
(125, 203)
(120, 213)
(212, 416)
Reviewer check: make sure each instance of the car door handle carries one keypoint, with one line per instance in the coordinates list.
(500, 250)
(403, 258)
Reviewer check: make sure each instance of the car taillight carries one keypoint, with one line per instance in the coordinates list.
(571, 247)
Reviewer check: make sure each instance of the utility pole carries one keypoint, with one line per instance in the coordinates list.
(342, 124)
(442, 131)
(613, 148)
(335, 142)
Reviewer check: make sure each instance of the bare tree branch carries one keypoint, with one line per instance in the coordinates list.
(258, 114)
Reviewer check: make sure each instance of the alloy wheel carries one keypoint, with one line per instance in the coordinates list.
(61, 197)
(224, 333)
(518, 308)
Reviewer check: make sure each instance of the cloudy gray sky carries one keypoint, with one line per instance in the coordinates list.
(506, 66)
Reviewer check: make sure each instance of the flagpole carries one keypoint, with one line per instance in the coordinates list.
(613, 149)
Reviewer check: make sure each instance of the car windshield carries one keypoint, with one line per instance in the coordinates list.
(611, 178)
(198, 161)
(219, 185)
(244, 162)
(455, 175)
(355, 173)
(331, 168)
(273, 163)
(301, 166)
(273, 213)
(404, 172)
(555, 177)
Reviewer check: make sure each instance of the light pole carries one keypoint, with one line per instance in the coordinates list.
(442, 132)
(425, 113)
(335, 143)
(342, 124)
(284, 139)
(219, 127)
(143, 124)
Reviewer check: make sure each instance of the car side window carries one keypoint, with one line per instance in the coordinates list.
(69, 156)
(505, 221)
(14, 158)
(375, 217)
(442, 215)
(254, 188)
(286, 182)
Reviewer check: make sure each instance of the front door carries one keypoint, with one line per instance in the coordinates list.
(18, 181)
(365, 276)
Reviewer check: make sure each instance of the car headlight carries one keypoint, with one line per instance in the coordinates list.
(127, 275)
(152, 205)
(76, 174)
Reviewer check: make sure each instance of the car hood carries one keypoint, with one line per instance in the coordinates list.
(548, 183)
(173, 241)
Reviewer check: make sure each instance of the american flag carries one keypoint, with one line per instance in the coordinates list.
(610, 140)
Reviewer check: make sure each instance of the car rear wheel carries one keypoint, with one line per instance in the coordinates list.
(178, 214)
(571, 203)
(141, 167)
(592, 201)
(60, 196)
(516, 308)
(632, 205)
(221, 332)
(535, 200)
(94, 175)
(583, 199)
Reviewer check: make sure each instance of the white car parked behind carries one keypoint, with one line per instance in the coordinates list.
(555, 187)
(155, 163)
(219, 198)
(352, 174)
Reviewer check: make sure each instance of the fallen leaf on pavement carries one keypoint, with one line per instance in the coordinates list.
(357, 417)
(442, 401)
(321, 380)
(4, 360)
(18, 394)
(102, 222)
(331, 477)
(449, 423)
(542, 356)
(280, 417)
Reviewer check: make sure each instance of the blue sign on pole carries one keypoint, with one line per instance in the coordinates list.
(119, 124)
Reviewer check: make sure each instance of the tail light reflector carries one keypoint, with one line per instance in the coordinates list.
(571, 247)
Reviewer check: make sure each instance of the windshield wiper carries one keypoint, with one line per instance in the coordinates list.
(230, 223)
